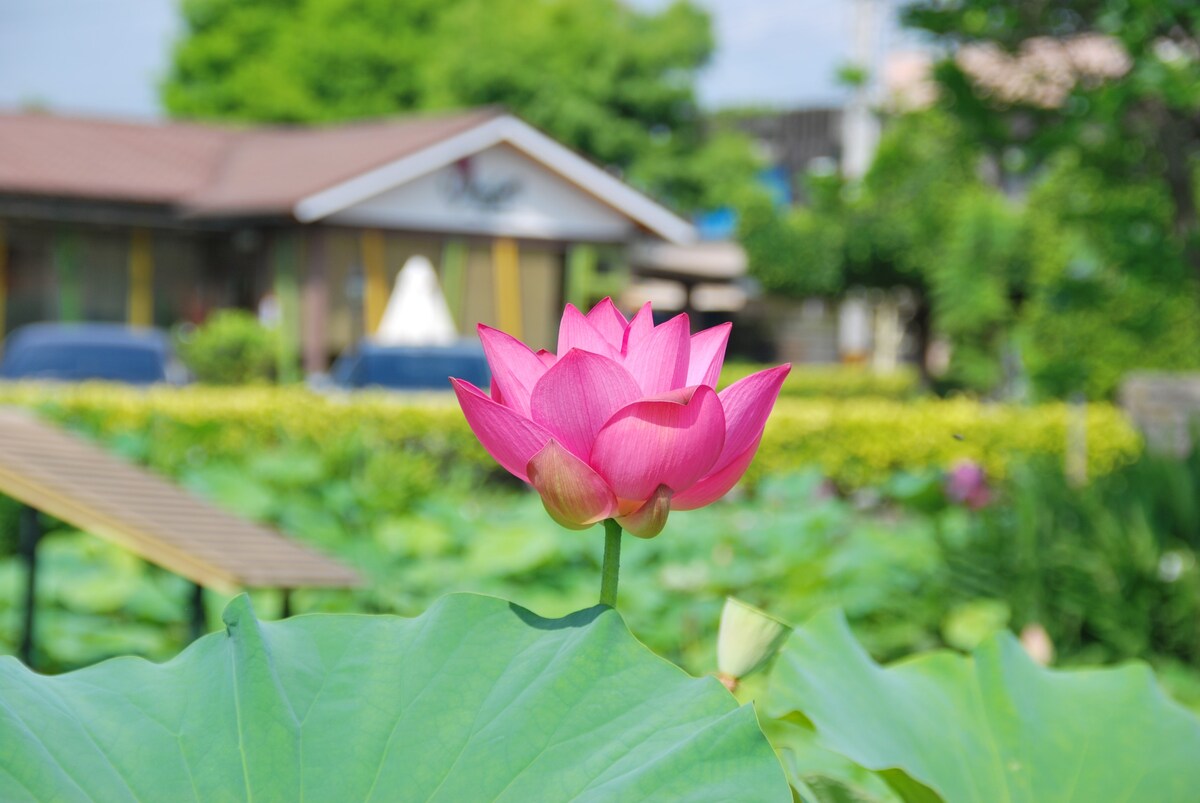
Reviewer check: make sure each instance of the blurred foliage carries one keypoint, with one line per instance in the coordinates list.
(1111, 156)
(980, 271)
(832, 381)
(1051, 237)
(881, 232)
(1109, 569)
(610, 80)
(230, 348)
(921, 219)
(1109, 292)
(855, 441)
(99, 601)
(862, 442)
(1137, 122)
(402, 490)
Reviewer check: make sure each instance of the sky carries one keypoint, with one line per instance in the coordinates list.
(107, 57)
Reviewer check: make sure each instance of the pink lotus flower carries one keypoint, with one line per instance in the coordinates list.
(967, 485)
(624, 422)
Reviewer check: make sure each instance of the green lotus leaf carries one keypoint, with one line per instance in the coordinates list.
(476, 700)
(992, 726)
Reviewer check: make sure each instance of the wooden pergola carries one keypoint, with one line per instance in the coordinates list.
(75, 481)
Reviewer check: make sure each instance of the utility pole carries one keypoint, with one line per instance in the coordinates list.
(860, 127)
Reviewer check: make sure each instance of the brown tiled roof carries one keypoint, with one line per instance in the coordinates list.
(42, 154)
(203, 168)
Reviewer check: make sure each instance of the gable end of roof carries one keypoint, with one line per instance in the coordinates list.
(512, 131)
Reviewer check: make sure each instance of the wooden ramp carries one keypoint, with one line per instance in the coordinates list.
(79, 483)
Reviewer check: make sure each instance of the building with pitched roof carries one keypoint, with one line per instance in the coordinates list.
(161, 223)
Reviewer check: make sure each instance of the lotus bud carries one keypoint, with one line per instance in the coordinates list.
(1037, 643)
(747, 639)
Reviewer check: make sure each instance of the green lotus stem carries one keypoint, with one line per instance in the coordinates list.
(612, 563)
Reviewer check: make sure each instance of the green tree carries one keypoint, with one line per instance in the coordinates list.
(921, 219)
(606, 79)
(1130, 108)
(1106, 133)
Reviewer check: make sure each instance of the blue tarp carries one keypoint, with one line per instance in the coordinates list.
(78, 352)
(411, 367)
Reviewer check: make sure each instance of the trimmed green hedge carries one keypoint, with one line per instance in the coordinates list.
(424, 439)
(834, 381)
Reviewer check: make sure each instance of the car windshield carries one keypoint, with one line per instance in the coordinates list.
(78, 361)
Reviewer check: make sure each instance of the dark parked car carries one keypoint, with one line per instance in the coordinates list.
(410, 367)
(73, 352)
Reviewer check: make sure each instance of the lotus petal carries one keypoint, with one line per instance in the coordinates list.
(639, 329)
(579, 395)
(708, 355)
(670, 441)
(576, 332)
(609, 322)
(659, 362)
(547, 357)
(649, 520)
(747, 403)
(720, 482)
(515, 369)
(575, 496)
(511, 439)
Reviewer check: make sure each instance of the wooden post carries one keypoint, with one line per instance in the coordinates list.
(454, 275)
(316, 304)
(66, 269)
(506, 268)
(581, 267)
(199, 618)
(375, 289)
(29, 533)
(287, 293)
(3, 282)
(141, 279)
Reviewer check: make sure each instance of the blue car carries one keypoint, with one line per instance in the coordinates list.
(76, 352)
(410, 367)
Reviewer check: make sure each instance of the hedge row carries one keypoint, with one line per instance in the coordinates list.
(855, 442)
(835, 381)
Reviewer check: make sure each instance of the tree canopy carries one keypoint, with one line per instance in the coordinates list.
(614, 82)
(1044, 210)
(1113, 82)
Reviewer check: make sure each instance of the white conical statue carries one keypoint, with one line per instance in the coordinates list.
(416, 314)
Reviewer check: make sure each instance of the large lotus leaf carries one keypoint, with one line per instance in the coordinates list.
(475, 700)
(993, 726)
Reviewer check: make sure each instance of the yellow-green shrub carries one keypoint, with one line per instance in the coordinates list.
(854, 441)
(860, 441)
(834, 381)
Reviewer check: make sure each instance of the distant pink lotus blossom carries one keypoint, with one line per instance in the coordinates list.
(624, 422)
(967, 485)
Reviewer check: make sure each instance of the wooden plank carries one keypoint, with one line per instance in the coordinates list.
(141, 278)
(82, 485)
(506, 263)
(375, 289)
